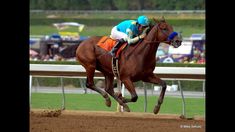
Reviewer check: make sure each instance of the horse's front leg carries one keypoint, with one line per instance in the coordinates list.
(109, 89)
(131, 88)
(156, 80)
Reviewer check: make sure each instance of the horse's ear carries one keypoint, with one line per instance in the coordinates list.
(156, 20)
(162, 19)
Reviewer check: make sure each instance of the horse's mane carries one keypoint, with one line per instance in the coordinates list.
(151, 25)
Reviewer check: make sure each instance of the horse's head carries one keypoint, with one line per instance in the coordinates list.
(166, 34)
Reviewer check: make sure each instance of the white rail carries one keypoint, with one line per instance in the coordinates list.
(78, 70)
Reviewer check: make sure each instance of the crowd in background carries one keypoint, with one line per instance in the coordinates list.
(51, 47)
(198, 57)
(52, 54)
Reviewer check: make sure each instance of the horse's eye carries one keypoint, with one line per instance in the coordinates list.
(178, 41)
(164, 30)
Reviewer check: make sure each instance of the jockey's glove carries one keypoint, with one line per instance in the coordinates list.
(141, 36)
(132, 41)
(136, 39)
(144, 33)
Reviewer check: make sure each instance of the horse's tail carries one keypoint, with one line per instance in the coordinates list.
(70, 51)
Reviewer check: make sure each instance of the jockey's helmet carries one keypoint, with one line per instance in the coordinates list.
(143, 20)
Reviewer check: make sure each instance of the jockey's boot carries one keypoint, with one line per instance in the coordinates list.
(116, 47)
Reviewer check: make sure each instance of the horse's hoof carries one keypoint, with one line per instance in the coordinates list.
(118, 94)
(182, 117)
(156, 109)
(126, 109)
(123, 99)
(108, 102)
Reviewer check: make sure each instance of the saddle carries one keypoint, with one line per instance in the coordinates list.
(108, 43)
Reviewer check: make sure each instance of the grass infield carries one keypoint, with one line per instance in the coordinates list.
(95, 102)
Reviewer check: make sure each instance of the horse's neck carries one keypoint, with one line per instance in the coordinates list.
(152, 34)
(146, 48)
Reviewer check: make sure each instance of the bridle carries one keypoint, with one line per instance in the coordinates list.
(175, 43)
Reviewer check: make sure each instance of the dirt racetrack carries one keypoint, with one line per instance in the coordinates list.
(90, 121)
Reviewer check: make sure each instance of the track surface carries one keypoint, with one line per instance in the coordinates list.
(89, 121)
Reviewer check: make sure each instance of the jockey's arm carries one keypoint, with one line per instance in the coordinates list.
(131, 40)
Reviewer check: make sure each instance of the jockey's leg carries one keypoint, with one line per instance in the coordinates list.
(90, 70)
(117, 46)
(109, 89)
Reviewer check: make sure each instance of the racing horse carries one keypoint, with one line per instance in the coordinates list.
(136, 62)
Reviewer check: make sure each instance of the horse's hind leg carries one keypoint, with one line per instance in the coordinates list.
(90, 70)
(156, 80)
(109, 89)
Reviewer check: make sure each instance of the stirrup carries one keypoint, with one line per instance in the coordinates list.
(115, 57)
(112, 54)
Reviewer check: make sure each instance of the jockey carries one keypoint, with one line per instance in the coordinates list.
(130, 31)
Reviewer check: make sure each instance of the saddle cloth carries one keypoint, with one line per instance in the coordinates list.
(108, 43)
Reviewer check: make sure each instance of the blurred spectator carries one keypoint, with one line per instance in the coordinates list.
(186, 59)
(33, 52)
(157, 59)
(58, 58)
(33, 55)
(202, 59)
(49, 46)
(196, 55)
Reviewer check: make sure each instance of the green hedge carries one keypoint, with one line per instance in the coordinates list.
(113, 21)
(117, 4)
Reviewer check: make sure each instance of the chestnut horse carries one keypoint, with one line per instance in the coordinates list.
(136, 62)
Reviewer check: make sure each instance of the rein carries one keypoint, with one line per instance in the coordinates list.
(156, 42)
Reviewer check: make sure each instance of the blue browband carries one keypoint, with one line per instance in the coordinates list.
(172, 35)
